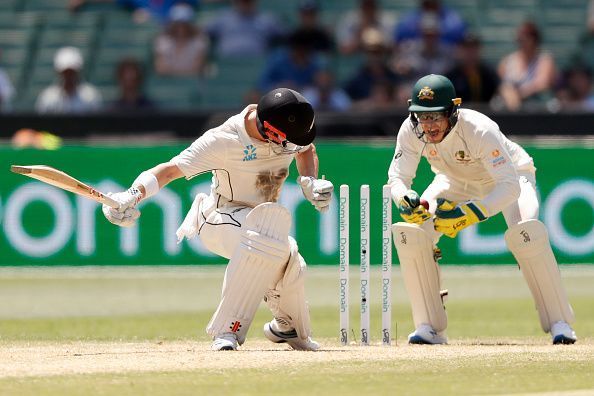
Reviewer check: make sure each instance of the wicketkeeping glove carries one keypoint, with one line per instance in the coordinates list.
(451, 217)
(317, 191)
(411, 210)
(126, 214)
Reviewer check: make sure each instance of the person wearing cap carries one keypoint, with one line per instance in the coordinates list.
(70, 95)
(249, 157)
(182, 48)
(478, 173)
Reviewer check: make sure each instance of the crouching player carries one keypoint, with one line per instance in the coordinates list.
(249, 157)
(478, 173)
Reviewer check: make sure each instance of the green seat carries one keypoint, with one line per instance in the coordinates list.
(172, 92)
(15, 38)
(124, 37)
(67, 20)
(12, 20)
(347, 66)
(45, 5)
(8, 6)
(214, 95)
(239, 71)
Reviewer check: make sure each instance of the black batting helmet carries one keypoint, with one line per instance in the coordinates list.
(287, 115)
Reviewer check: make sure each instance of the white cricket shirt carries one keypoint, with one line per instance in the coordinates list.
(475, 151)
(245, 171)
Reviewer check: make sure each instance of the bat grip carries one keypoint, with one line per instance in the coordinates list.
(111, 202)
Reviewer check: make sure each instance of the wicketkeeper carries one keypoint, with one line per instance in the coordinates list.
(249, 157)
(478, 173)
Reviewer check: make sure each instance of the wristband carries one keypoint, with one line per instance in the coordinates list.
(149, 182)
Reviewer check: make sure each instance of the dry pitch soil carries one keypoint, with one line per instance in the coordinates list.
(48, 359)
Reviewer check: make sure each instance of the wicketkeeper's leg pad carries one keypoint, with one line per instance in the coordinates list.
(421, 275)
(257, 265)
(529, 242)
(287, 300)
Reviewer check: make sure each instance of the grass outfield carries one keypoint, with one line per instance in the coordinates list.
(128, 331)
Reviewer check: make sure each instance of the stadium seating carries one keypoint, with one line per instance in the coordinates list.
(32, 30)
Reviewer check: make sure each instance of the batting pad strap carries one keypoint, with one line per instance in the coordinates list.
(150, 183)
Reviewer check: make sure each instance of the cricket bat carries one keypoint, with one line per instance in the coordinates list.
(62, 180)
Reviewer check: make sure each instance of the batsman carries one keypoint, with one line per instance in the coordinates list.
(249, 157)
(478, 173)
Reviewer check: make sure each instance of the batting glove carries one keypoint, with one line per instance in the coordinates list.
(451, 218)
(317, 191)
(126, 214)
(411, 210)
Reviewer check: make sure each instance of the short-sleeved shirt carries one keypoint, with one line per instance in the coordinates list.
(245, 171)
(239, 35)
(181, 58)
(474, 151)
(54, 99)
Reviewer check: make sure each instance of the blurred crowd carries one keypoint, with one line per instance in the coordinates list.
(390, 52)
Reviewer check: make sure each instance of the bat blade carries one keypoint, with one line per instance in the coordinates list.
(60, 179)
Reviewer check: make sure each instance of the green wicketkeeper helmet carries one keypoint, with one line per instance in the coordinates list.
(433, 93)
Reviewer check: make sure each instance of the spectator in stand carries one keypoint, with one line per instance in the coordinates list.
(182, 48)
(324, 95)
(452, 25)
(243, 30)
(415, 58)
(375, 68)
(528, 74)
(142, 10)
(576, 89)
(294, 67)
(130, 77)
(70, 95)
(349, 32)
(309, 23)
(474, 80)
(6, 91)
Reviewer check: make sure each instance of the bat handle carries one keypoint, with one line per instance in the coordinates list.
(111, 202)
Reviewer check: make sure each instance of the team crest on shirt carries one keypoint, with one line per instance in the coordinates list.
(249, 153)
(426, 93)
(462, 157)
(498, 159)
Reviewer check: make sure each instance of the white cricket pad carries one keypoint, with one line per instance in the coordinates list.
(287, 300)
(257, 265)
(529, 242)
(421, 275)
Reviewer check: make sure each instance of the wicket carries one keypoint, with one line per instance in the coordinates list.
(364, 267)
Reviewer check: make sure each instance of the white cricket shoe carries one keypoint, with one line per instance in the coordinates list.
(562, 333)
(272, 332)
(425, 334)
(224, 342)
